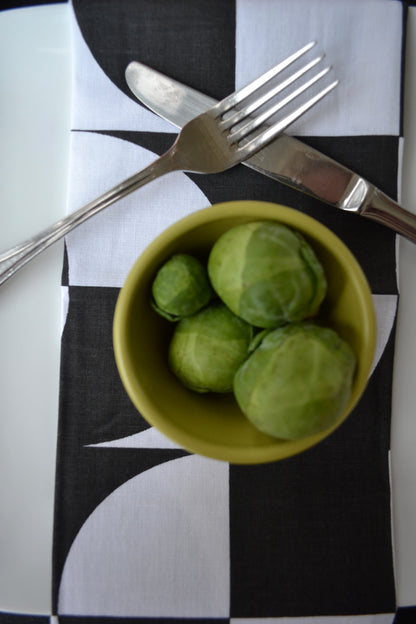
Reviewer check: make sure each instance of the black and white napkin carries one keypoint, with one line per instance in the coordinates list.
(144, 529)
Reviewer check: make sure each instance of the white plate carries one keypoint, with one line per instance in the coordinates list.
(34, 140)
(403, 431)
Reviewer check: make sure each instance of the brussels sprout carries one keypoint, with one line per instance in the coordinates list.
(297, 382)
(207, 348)
(181, 287)
(267, 274)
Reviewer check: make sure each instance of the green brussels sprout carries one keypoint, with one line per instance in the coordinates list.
(181, 287)
(267, 274)
(297, 382)
(207, 348)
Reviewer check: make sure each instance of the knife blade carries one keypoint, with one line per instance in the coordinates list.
(286, 159)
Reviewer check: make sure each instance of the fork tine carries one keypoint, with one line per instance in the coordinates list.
(260, 119)
(267, 135)
(240, 95)
(240, 114)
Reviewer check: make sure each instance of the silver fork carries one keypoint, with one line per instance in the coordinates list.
(220, 138)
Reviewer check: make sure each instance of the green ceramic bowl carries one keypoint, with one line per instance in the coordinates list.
(210, 424)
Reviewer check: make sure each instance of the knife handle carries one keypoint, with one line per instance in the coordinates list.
(386, 211)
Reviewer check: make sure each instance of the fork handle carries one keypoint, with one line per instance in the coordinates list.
(16, 257)
(381, 208)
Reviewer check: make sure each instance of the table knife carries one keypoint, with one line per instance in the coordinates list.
(287, 159)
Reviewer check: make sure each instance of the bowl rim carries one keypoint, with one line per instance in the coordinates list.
(225, 210)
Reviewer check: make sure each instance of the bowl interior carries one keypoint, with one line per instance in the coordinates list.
(212, 424)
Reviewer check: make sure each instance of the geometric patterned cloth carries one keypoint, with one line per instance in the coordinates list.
(144, 529)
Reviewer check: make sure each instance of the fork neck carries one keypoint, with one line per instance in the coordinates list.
(163, 165)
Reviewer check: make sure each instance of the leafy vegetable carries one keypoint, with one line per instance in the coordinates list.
(207, 348)
(181, 287)
(297, 382)
(267, 274)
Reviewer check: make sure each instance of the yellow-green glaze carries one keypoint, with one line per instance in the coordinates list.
(210, 424)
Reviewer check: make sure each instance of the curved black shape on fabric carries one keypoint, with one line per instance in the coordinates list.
(91, 476)
(169, 36)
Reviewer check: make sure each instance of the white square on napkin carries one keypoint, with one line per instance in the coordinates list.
(359, 39)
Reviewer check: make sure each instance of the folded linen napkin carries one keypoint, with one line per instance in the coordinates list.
(142, 528)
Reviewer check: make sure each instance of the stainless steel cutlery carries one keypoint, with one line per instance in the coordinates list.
(219, 138)
(286, 159)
